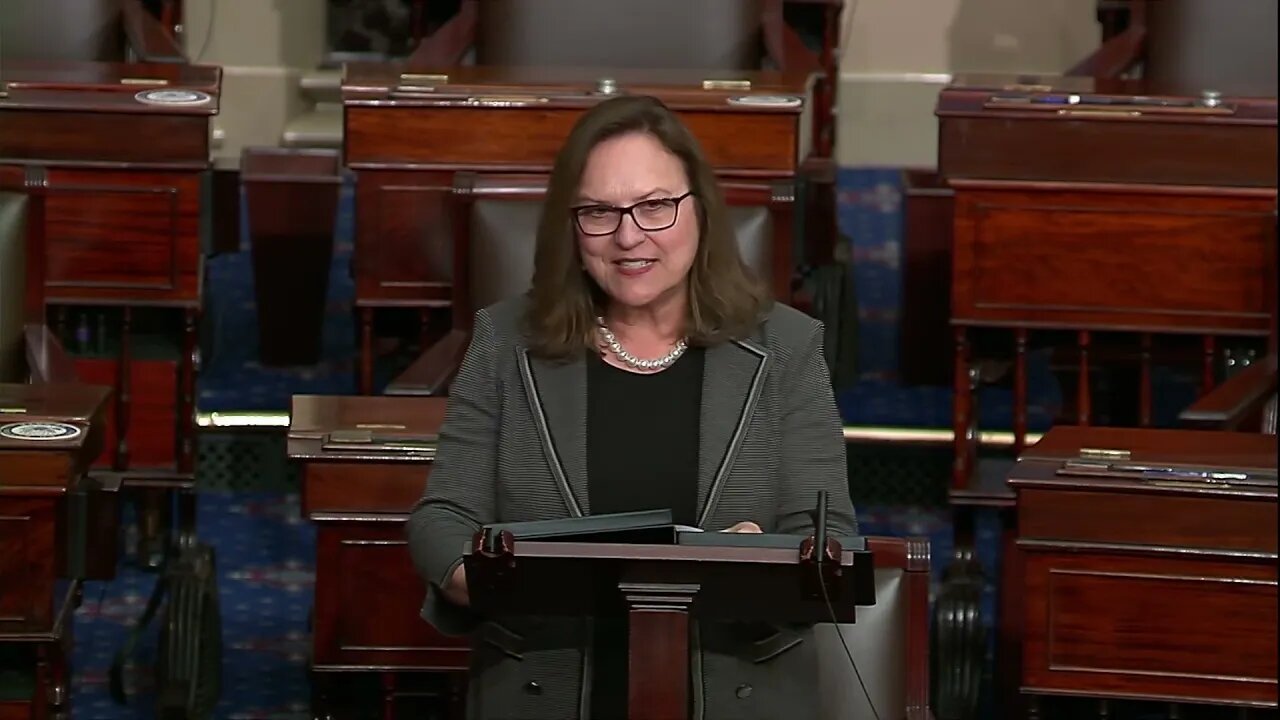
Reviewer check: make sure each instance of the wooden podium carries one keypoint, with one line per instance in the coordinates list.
(48, 517)
(661, 588)
(1154, 585)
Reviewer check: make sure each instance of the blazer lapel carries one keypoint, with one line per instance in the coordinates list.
(732, 378)
(557, 394)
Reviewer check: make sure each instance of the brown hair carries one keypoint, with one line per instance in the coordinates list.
(726, 300)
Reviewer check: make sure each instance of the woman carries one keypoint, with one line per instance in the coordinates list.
(645, 369)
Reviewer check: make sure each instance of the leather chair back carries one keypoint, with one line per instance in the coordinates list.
(889, 642)
(499, 223)
(12, 285)
(702, 34)
(61, 30)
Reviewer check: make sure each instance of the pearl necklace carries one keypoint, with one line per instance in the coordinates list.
(633, 362)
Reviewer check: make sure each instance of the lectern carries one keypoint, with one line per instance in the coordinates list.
(661, 587)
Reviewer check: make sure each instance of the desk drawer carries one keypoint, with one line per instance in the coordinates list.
(1113, 259)
(529, 138)
(1166, 628)
(384, 487)
(1148, 519)
(29, 552)
(120, 235)
(17, 710)
(367, 603)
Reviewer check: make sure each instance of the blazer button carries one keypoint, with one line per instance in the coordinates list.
(533, 688)
(744, 692)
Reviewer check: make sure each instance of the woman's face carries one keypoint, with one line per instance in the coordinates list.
(641, 258)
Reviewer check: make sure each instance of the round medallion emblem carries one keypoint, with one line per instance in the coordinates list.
(173, 97)
(28, 431)
(778, 101)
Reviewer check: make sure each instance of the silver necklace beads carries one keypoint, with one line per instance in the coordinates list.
(611, 342)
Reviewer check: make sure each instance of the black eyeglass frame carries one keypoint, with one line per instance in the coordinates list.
(628, 210)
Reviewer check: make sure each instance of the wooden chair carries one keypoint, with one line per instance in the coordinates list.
(1246, 402)
(889, 642)
(495, 219)
(40, 29)
(29, 351)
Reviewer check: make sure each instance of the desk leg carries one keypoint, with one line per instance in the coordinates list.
(1009, 629)
(366, 351)
(963, 415)
(124, 390)
(388, 696)
(187, 392)
(658, 666)
(458, 695)
(320, 697)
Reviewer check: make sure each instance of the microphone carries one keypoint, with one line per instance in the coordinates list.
(820, 529)
(820, 557)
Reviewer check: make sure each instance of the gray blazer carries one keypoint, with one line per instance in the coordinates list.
(513, 448)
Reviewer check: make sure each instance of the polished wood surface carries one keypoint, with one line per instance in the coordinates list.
(1240, 403)
(118, 192)
(1132, 138)
(1118, 206)
(924, 348)
(359, 502)
(291, 199)
(1146, 589)
(88, 114)
(39, 587)
(1109, 258)
(515, 119)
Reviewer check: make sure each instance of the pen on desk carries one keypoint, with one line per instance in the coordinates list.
(1176, 474)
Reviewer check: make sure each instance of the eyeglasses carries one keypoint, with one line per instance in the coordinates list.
(650, 215)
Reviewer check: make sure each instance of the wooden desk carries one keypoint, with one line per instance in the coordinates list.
(407, 135)
(42, 562)
(359, 502)
(121, 229)
(1147, 590)
(1120, 216)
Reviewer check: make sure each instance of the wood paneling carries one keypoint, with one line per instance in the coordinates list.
(114, 235)
(529, 138)
(1112, 260)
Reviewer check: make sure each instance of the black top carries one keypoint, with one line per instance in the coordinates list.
(642, 454)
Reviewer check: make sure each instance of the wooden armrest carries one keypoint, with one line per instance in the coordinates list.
(155, 479)
(433, 371)
(147, 36)
(1115, 56)
(448, 45)
(47, 361)
(1238, 401)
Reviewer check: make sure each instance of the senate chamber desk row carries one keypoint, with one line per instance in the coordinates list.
(1118, 219)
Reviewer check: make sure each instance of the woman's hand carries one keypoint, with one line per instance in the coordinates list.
(746, 526)
(456, 588)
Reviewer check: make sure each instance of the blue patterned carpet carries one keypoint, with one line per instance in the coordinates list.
(265, 554)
